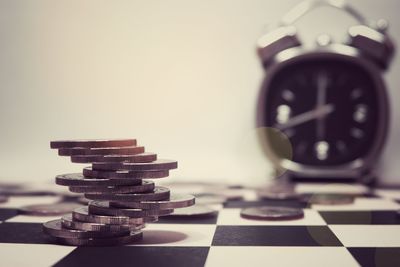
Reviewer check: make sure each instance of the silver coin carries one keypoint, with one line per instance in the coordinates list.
(49, 209)
(175, 201)
(82, 214)
(194, 211)
(83, 200)
(3, 199)
(210, 199)
(159, 193)
(279, 195)
(75, 151)
(103, 208)
(230, 194)
(68, 222)
(55, 229)
(77, 179)
(272, 213)
(89, 172)
(110, 241)
(161, 164)
(26, 191)
(146, 186)
(331, 199)
(142, 157)
(92, 143)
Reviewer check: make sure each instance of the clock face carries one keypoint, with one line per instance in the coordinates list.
(327, 108)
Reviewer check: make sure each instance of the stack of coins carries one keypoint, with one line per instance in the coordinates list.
(121, 200)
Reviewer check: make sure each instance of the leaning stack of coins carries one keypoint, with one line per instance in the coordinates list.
(122, 201)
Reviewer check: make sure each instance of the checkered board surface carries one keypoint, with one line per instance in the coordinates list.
(365, 233)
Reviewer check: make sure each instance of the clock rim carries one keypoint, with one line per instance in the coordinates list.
(353, 168)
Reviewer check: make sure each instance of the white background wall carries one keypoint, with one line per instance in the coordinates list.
(181, 76)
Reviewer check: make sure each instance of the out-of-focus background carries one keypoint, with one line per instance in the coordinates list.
(181, 76)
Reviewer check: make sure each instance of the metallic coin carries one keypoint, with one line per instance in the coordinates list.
(93, 143)
(159, 193)
(89, 172)
(83, 200)
(143, 157)
(103, 208)
(77, 179)
(210, 199)
(194, 211)
(127, 150)
(82, 214)
(175, 201)
(68, 222)
(272, 213)
(232, 194)
(55, 229)
(331, 199)
(146, 186)
(27, 191)
(49, 209)
(112, 241)
(3, 199)
(279, 195)
(160, 164)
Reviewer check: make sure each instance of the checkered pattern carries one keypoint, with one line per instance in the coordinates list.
(365, 233)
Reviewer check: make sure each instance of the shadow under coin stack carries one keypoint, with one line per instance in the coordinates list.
(121, 200)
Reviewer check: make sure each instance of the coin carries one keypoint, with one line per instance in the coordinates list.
(161, 164)
(26, 191)
(83, 200)
(92, 143)
(279, 195)
(82, 214)
(77, 179)
(226, 194)
(272, 213)
(101, 151)
(68, 222)
(146, 186)
(55, 229)
(127, 150)
(103, 208)
(112, 241)
(89, 172)
(331, 199)
(194, 211)
(209, 199)
(49, 209)
(143, 157)
(3, 199)
(159, 193)
(175, 201)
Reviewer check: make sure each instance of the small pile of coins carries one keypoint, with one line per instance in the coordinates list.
(121, 200)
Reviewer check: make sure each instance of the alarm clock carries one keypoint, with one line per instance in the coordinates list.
(328, 101)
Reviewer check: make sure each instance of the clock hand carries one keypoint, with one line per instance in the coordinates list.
(306, 116)
(322, 83)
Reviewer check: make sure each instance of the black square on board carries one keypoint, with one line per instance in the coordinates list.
(29, 233)
(274, 236)
(189, 220)
(136, 256)
(376, 257)
(6, 214)
(361, 217)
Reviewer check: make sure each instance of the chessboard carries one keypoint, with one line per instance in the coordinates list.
(363, 233)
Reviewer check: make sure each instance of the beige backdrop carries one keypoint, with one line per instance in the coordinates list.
(181, 76)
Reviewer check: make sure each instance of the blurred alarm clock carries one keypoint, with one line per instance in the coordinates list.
(329, 101)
